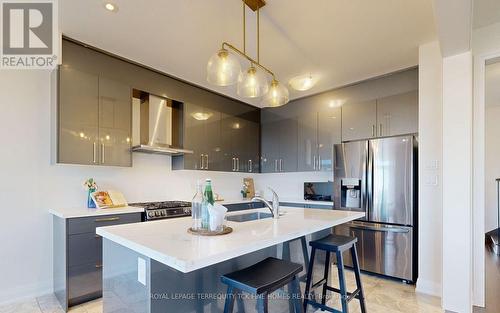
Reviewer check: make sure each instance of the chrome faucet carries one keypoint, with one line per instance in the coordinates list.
(274, 207)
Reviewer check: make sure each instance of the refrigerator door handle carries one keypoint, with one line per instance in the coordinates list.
(369, 182)
(381, 229)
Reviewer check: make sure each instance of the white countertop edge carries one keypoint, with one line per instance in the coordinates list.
(86, 212)
(286, 200)
(188, 266)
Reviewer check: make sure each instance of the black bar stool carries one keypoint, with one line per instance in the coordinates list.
(261, 279)
(337, 244)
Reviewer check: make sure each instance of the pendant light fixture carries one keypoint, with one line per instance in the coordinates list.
(224, 69)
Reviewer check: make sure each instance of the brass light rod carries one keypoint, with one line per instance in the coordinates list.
(230, 46)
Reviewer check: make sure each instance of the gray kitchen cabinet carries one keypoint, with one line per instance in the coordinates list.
(202, 135)
(359, 120)
(329, 134)
(115, 122)
(308, 141)
(241, 144)
(94, 119)
(78, 256)
(398, 115)
(78, 122)
(279, 145)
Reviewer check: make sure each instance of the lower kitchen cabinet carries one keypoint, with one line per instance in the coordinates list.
(78, 256)
(244, 206)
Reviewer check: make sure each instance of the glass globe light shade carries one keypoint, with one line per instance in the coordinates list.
(223, 68)
(252, 83)
(277, 96)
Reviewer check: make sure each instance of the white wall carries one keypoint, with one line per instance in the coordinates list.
(430, 174)
(30, 185)
(457, 183)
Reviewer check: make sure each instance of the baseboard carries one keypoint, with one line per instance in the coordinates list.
(428, 287)
(25, 292)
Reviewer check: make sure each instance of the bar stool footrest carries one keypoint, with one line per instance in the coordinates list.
(319, 283)
(322, 307)
(350, 295)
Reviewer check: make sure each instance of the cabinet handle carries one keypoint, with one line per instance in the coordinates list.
(250, 166)
(373, 130)
(276, 165)
(201, 161)
(319, 162)
(314, 162)
(94, 147)
(380, 132)
(238, 164)
(206, 163)
(98, 266)
(107, 219)
(281, 165)
(103, 153)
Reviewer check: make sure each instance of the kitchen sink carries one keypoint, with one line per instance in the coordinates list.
(246, 217)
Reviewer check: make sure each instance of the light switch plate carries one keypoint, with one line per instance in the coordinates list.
(141, 271)
(431, 180)
(432, 165)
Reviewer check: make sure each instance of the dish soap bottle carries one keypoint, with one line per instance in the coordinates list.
(208, 199)
(196, 206)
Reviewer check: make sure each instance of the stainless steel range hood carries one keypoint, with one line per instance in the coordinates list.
(155, 125)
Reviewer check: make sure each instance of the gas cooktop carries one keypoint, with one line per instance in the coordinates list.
(164, 209)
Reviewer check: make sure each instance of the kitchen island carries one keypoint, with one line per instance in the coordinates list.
(159, 267)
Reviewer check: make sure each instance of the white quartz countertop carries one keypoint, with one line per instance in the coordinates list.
(85, 212)
(168, 242)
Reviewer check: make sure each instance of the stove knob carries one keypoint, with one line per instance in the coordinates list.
(151, 214)
(163, 213)
(157, 213)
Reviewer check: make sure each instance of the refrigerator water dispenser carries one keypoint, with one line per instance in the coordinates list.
(351, 193)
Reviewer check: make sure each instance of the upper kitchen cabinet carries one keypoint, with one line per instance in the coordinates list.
(279, 142)
(359, 120)
(78, 117)
(94, 119)
(329, 134)
(240, 146)
(397, 115)
(115, 122)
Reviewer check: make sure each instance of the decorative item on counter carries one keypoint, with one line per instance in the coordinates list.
(108, 199)
(244, 191)
(91, 186)
(197, 206)
(216, 214)
(248, 183)
(208, 200)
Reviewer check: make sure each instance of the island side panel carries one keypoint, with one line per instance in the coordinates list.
(60, 280)
(126, 279)
(202, 290)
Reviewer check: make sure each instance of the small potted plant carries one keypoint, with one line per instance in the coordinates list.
(91, 186)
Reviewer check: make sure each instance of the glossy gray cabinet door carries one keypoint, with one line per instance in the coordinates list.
(359, 120)
(398, 115)
(270, 152)
(288, 151)
(78, 117)
(329, 134)
(115, 123)
(308, 142)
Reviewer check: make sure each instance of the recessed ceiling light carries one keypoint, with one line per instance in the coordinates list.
(303, 82)
(111, 7)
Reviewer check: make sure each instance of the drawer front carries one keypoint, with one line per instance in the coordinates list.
(84, 248)
(84, 283)
(293, 205)
(89, 224)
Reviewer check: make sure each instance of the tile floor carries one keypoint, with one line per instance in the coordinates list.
(382, 296)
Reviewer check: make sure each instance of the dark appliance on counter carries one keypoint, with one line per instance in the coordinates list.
(318, 191)
(164, 209)
(379, 177)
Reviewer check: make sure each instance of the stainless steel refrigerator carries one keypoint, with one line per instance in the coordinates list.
(379, 177)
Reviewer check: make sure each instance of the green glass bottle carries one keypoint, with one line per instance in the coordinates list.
(208, 198)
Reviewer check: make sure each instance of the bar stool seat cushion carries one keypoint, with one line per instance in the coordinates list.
(334, 243)
(265, 276)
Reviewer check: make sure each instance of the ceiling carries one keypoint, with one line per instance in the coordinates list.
(339, 41)
(486, 12)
